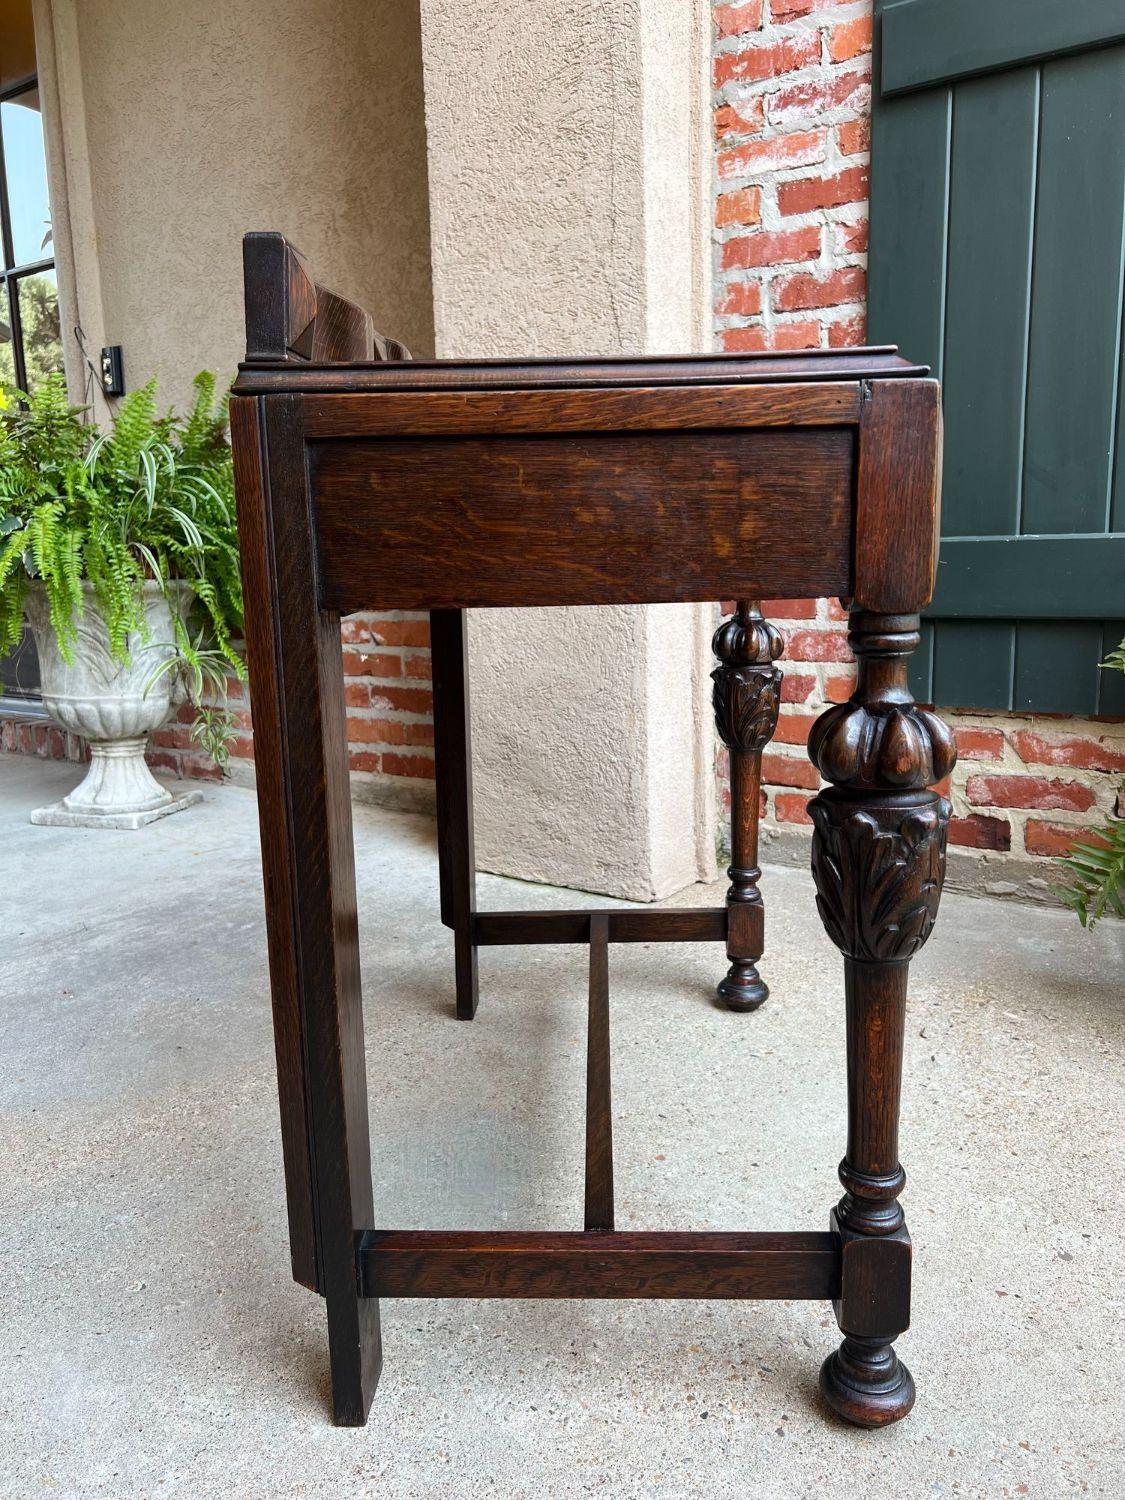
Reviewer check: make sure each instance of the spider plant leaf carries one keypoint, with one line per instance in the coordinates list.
(153, 564)
(160, 670)
(187, 526)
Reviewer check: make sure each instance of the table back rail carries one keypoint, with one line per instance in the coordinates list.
(690, 924)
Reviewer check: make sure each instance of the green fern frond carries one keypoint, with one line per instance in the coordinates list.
(50, 543)
(133, 427)
(11, 556)
(1096, 866)
(197, 434)
(13, 590)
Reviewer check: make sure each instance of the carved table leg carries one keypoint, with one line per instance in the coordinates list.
(878, 863)
(746, 696)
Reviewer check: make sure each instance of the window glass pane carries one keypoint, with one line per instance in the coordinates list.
(7, 364)
(26, 168)
(39, 326)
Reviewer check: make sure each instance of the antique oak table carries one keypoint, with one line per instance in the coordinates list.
(366, 481)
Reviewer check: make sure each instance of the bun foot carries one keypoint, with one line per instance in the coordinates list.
(866, 1383)
(743, 988)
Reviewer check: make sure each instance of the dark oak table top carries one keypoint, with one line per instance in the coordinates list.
(259, 376)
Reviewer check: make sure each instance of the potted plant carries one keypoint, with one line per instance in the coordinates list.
(122, 549)
(1095, 867)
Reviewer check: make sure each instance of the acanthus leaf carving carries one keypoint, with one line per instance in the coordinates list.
(747, 693)
(878, 867)
(746, 702)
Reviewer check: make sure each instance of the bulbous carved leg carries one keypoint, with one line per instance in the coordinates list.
(746, 696)
(878, 864)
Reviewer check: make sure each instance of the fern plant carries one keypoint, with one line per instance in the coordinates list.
(1096, 864)
(149, 500)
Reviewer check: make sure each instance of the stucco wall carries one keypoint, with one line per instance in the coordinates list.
(566, 167)
(201, 121)
(533, 115)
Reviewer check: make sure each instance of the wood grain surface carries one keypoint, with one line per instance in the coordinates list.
(613, 518)
(515, 1263)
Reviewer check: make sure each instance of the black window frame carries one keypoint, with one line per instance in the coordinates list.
(22, 703)
(12, 274)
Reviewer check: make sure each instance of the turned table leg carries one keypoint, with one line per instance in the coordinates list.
(878, 863)
(746, 697)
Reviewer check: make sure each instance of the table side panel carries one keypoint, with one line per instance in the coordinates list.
(647, 517)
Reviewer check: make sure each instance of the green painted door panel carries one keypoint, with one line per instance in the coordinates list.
(1023, 665)
(991, 220)
(1057, 666)
(973, 662)
(909, 217)
(1076, 308)
(997, 254)
(926, 42)
(1048, 577)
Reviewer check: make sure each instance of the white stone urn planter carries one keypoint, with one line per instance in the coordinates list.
(106, 703)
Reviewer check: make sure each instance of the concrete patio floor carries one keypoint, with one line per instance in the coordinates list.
(153, 1344)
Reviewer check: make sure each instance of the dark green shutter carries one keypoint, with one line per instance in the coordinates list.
(998, 256)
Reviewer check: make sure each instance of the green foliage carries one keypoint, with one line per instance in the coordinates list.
(1096, 864)
(39, 324)
(1096, 867)
(152, 498)
(213, 731)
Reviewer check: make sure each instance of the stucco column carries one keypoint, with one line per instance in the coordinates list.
(569, 178)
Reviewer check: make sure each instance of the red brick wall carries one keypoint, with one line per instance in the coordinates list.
(387, 687)
(792, 108)
(792, 130)
(172, 748)
(389, 703)
(35, 737)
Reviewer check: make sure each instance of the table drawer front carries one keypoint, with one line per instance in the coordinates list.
(588, 518)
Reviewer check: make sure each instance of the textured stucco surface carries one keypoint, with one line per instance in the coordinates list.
(565, 167)
(533, 114)
(590, 743)
(199, 121)
(152, 1343)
